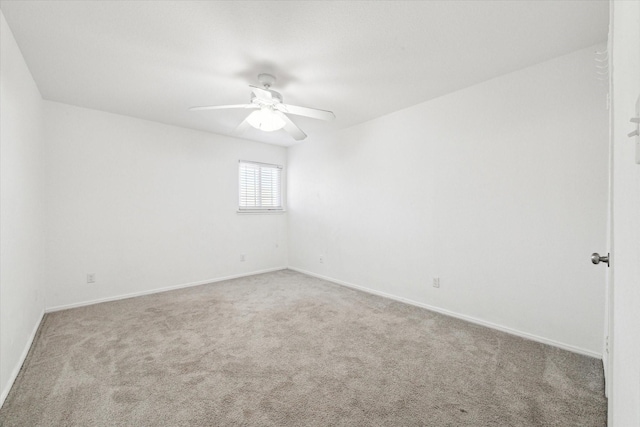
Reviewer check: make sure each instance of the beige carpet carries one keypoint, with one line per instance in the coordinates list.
(285, 349)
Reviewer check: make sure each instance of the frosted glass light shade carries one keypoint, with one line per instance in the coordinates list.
(265, 119)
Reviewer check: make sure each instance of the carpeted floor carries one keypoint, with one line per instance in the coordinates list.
(285, 349)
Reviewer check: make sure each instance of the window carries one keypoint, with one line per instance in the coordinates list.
(260, 187)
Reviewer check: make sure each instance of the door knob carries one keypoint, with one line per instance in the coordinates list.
(596, 258)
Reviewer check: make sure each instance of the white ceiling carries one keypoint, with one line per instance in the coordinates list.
(360, 59)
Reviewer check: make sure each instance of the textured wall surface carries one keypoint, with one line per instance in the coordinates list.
(500, 190)
(22, 208)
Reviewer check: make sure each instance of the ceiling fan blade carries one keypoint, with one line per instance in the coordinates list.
(222, 107)
(262, 94)
(291, 127)
(314, 113)
(241, 128)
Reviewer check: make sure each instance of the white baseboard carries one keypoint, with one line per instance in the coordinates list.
(23, 356)
(470, 319)
(155, 291)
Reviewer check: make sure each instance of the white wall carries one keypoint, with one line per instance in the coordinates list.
(499, 189)
(21, 208)
(624, 397)
(147, 206)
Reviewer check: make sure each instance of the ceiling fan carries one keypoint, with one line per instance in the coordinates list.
(271, 114)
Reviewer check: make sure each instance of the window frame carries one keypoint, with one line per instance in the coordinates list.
(258, 209)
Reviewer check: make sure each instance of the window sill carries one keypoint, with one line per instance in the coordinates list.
(260, 212)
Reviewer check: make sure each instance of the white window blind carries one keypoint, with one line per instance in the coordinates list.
(260, 186)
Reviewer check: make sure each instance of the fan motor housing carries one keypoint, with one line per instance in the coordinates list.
(277, 97)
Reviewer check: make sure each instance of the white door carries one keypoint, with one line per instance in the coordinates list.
(624, 305)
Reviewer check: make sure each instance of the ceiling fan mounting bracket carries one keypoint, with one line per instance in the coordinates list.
(266, 80)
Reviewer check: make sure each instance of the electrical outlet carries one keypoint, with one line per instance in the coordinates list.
(321, 259)
(91, 277)
(436, 282)
(242, 259)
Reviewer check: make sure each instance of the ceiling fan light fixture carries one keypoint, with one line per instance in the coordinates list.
(271, 114)
(265, 119)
